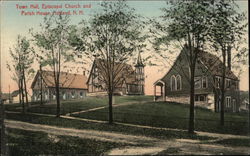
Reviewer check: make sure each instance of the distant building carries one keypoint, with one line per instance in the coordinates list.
(6, 98)
(72, 86)
(13, 97)
(244, 107)
(129, 81)
(174, 85)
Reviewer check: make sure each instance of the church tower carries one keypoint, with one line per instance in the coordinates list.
(140, 78)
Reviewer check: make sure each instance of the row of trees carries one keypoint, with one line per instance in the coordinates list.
(199, 25)
(116, 33)
(21, 65)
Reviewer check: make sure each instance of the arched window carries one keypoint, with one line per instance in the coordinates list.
(173, 83)
(178, 82)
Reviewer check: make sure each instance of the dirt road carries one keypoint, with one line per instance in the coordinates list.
(144, 145)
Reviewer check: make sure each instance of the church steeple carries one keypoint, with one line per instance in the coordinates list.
(139, 70)
(139, 61)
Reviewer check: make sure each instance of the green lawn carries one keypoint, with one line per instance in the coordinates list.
(75, 106)
(159, 114)
(78, 124)
(172, 115)
(26, 143)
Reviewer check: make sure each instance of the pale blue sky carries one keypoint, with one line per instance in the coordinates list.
(12, 24)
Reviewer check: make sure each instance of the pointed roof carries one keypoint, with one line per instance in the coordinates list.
(126, 73)
(215, 65)
(67, 80)
(211, 62)
(139, 61)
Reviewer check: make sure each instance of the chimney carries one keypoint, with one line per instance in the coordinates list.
(84, 73)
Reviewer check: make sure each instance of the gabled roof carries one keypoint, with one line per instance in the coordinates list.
(15, 93)
(67, 80)
(211, 62)
(215, 65)
(124, 71)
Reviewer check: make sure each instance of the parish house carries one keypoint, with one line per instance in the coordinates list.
(174, 85)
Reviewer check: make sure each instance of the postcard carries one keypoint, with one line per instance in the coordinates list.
(124, 77)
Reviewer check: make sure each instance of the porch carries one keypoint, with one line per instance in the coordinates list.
(159, 91)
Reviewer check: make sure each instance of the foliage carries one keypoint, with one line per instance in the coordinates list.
(227, 30)
(22, 56)
(53, 42)
(111, 37)
(188, 24)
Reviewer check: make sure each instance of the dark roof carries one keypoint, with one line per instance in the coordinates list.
(15, 93)
(5, 96)
(215, 65)
(125, 72)
(67, 80)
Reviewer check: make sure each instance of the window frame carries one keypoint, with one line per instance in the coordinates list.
(173, 88)
(197, 79)
(180, 81)
(217, 81)
(228, 101)
(202, 82)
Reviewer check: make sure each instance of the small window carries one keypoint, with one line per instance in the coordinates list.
(204, 82)
(228, 83)
(228, 102)
(73, 94)
(81, 94)
(173, 83)
(197, 82)
(178, 82)
(217, 81)
(202, 98)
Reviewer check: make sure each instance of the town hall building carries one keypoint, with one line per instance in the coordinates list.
(72, 86)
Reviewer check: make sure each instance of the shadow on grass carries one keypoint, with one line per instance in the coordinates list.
(26, 143)
(77, 124)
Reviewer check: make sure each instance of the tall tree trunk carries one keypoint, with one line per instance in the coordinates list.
(229, 57)
(25, 89)
(110, 94)
(191, 111)
(223, 88)
(22, 95)
(58, 100)
(41, 86)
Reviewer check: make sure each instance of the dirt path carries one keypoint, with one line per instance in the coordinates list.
(98, 108)
(200, 133)
(144, 145)
(88, 134)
